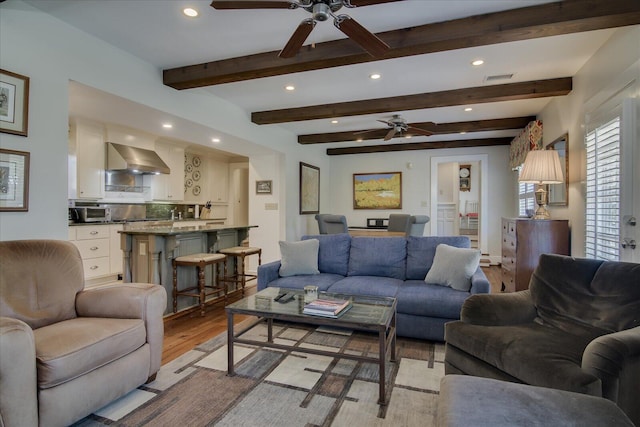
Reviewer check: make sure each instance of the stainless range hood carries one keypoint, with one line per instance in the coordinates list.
(137, 160)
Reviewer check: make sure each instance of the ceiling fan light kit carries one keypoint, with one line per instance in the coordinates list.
(320, 10)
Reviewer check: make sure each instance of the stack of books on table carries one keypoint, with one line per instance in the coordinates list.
(327, 307)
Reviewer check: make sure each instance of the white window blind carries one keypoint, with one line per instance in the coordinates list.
(602, 238)
(526, 196)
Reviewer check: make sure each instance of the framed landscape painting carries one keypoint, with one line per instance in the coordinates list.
(309, 189)
(14, 181)
(381, 190)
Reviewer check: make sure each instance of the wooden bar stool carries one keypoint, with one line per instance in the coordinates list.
(201, 290)
(240, 252)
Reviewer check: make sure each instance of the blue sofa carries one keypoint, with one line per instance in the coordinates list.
(390, 267)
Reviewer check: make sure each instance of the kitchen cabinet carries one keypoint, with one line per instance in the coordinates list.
(93, 243)
(523, 240)
(219, 181)
(87, 148)
(115, 253)
(169, 187)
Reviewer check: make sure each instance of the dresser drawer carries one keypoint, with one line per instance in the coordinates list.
(95, 267)
(92, 232)
(508, 279)
(94, 248)
(509, 244)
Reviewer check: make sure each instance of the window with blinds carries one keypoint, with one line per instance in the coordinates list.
(602, 239)
(526, 196)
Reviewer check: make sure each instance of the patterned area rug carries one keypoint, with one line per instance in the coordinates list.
(286, 388)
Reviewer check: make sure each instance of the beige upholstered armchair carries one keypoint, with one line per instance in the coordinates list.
(65, 351)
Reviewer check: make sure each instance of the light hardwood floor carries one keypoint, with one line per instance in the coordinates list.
(183, 333)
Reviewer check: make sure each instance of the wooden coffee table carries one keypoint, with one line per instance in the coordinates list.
(368, 313)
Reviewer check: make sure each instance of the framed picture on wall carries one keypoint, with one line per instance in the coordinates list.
(264, 187)
(381, 190)
(14, 181)
(14, 103)
(309, 189)
(465, 177)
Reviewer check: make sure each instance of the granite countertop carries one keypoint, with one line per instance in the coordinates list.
(172, 230)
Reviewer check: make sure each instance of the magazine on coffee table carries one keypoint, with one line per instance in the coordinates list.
(327, 307)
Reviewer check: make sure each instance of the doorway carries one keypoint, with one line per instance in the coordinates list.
(450, 211)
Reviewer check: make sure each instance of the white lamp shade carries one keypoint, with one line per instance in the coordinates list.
(542, 167)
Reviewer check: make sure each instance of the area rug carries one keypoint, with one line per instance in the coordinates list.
(286, 388)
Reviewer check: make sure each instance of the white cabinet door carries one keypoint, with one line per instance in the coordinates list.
(90, 162)
(115, 253)
(169, 187)
(219, 182)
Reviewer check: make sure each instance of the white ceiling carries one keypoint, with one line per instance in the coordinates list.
(157, 32)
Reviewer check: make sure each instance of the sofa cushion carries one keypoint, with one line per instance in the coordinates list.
(299, 257)
(534, 354)
(453, 267)
(333, 254)
(322, 281)
(367, 285)
(72, 348)
(578, 294)
(375, 256)
(421, 250)
(425, 299)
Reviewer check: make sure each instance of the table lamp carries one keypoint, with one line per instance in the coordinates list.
(542, 167)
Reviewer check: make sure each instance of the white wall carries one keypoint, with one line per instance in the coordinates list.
(416, 185)
(566, 114)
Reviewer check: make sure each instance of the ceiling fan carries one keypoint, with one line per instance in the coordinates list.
(397, 125)
(321, 10)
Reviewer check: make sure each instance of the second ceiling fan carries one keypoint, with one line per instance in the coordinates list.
(398, 126)
(321, 10)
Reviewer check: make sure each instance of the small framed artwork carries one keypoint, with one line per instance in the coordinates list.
(465, 177)
(14, 103)
(309, 189)
(382, 190)
(264, 187)
(14, 181)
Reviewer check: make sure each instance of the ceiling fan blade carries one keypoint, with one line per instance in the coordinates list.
(356, 32)
(359, 3)
(297, 38)
(385, 122)
(390, 134)
(420, 131)
(264, 4)
(362, 132)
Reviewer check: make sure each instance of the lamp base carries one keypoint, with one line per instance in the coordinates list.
(541, 201)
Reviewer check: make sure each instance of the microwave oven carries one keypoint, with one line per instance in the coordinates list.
(91, 214)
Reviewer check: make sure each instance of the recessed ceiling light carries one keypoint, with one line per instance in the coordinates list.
(167, 125)
(463, 132)
(334, 121)
(375, 76)
(290, 87)
(215, 140)
(408, 136)
(359, 140)
(477, 62)
(190, 12)
(468, 109)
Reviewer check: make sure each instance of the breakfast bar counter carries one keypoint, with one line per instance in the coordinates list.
(148, 251)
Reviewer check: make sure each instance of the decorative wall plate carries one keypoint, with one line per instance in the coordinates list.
(196, 190)
(196, 161)
(189, 182)
(189, 167)
(196, 175)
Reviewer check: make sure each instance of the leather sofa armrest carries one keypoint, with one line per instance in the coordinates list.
(18, 376)
(498, 309)
(615, 359)
(267, 273)
(130, 301)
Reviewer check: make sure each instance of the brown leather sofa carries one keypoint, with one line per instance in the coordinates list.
(577, 328)
(66, 351)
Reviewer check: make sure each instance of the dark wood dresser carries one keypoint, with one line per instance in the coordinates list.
(523, 240)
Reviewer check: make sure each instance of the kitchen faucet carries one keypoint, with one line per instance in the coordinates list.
(173, 214)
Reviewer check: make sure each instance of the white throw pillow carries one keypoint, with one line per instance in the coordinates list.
(299, 257)
(453, 267)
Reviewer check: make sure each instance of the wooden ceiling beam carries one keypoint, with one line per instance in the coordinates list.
(447, 98)
(549, 19)
(386, 148)
(436, 128)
